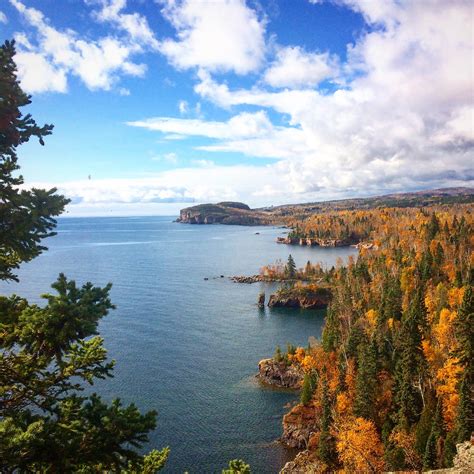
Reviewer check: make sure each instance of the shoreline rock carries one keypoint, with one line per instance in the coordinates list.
(314, 242)
(278, 374)
(299, 424)
(298, 298)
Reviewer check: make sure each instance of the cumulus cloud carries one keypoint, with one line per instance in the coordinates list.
(222, 35)
(293, 67)
(134, 24)
(403, 120)
(99, 64)
(3, 18)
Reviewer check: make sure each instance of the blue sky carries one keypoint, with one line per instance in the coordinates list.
(168, 102)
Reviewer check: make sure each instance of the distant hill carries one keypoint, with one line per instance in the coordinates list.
(241, 214)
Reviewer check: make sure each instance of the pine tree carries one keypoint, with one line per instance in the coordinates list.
(465, 416)
(410, 363)
(366, 381)
(26, 217)
(331, 331)
(431, 456)
(290, 268)
(326, 448)
(307, 390)
(49, 353)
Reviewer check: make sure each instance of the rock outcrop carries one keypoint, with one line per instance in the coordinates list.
(299, 424)
(278, 374)
(305, 462)
(299, 298)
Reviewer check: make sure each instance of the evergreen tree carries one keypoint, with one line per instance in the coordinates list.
(331, 331)
(433, 227)
(326, 448)
(410, 363)
(366, 382)
(431, 459)
(49, 353)
(307, 390)
(465, 416)
(464, 330)
(26, 217)
(290, 268)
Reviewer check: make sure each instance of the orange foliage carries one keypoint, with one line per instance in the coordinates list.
(359, 446)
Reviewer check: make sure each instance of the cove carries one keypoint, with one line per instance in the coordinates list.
(185, 346)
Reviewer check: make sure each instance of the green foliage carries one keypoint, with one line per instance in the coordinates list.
(237, 466)
(410, 364)
(331, 332)
(465, 416)
(27, 216)
(307, 390)
(290, 268)
(278, 356)
(326, 448)
(366, 382)
(49, 353)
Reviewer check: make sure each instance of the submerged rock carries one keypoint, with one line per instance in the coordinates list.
(279, 374)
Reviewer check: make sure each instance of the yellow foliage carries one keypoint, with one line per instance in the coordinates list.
(407, 442)
(359, 447)
(444, 330)
(371, 316)
(448, 378)
(455, 297)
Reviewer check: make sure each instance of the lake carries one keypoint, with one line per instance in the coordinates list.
(185, 346)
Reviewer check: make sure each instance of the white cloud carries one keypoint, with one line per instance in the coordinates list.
(293, 67)
(222, 35)
(171, 158)
(134, 24)
(243, 125)
(402, 120)
(3, 18)
(99, 64)
(183, 107)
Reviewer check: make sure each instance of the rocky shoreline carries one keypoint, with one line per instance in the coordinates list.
(315, 242)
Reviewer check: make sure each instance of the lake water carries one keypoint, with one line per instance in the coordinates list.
(184, 346)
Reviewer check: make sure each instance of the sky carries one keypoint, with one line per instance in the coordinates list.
(158, 104)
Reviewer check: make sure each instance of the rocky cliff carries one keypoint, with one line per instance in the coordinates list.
(236, 213)
(279, 374)
(299, 424)
(304, 297)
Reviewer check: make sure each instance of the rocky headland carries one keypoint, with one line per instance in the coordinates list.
(279, 374)
(236, 213)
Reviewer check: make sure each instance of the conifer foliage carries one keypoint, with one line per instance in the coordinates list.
(48, 353)
(395, 368)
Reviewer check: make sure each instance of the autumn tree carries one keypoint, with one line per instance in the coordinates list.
(49, 353)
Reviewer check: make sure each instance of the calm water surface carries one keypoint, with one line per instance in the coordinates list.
(187, 347)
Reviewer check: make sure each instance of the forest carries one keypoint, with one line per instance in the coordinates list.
(390, 383)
